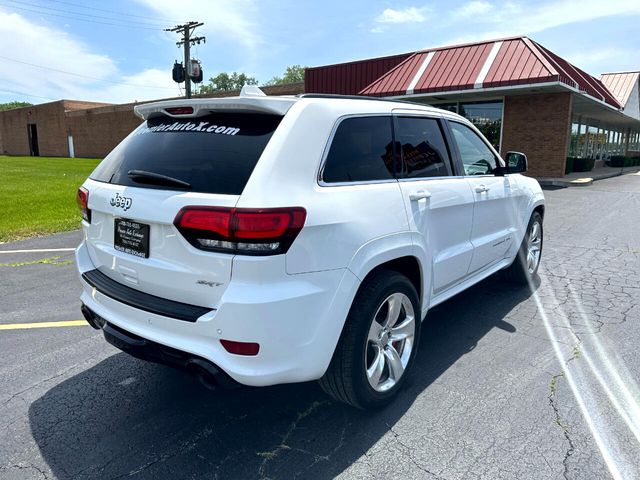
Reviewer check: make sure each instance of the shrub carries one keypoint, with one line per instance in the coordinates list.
(568, 167)
(583, 164)
(617, 161)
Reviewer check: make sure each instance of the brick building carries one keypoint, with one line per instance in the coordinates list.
(39, 129)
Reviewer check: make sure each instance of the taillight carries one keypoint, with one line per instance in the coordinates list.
(266, 231)
(83, 203)
(249, 349)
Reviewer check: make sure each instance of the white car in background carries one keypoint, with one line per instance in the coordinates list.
(267, 240)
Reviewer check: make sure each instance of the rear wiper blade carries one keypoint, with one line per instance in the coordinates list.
(142, 176)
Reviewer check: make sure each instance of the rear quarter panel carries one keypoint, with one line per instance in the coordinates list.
(340, 218)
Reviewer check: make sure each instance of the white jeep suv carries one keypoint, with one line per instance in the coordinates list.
(265, 240)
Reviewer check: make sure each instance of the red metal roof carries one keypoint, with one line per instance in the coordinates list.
(349, 78)
(581, 79)
(516, 64)
(489, 64)
(453, 67)
(620, 84)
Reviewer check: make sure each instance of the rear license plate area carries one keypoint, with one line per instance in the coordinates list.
(131, 237)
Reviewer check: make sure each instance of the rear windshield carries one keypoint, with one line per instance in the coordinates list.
(213, 154)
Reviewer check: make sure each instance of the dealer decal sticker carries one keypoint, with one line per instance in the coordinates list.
(204, 127)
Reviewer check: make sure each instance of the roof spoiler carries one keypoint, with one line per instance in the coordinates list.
(251, 100)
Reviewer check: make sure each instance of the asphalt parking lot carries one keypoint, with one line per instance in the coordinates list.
(508, 384)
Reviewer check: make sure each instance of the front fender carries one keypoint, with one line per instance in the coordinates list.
(535, 201)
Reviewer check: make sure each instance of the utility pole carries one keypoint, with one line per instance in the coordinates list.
(186, 30)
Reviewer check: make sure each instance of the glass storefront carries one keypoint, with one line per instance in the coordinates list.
(600, 142)
(486, 116)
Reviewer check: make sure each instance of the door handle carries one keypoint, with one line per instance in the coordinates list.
(481, 189)
(419, 195)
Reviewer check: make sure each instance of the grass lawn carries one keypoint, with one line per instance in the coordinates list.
(38, 194)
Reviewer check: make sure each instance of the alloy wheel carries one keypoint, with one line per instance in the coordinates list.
(390, 342)
(534, 247)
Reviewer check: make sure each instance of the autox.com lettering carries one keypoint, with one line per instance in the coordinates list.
(205, 127)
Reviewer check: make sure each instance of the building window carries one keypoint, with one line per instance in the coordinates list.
(486, 116)
(575, 140)
(451, 107)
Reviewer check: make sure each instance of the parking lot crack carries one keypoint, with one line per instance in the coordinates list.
(22, 467)
(397, 439)
(553, 389)
(269, 455)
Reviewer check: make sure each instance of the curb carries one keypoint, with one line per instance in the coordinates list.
(582, 182)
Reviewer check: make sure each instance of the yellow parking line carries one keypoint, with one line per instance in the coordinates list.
(20, 326)
(39, 250)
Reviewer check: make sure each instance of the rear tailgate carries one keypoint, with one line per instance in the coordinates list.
(136, 193)
(173, 269)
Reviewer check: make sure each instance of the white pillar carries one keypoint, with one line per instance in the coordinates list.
(71, 151)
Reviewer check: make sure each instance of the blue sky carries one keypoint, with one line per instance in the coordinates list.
(261, 38)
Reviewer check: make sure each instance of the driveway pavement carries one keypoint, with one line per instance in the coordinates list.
(508, 383)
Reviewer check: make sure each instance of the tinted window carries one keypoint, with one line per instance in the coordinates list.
(424, 153)
(214, 153)
(362, 150)
(477, 158)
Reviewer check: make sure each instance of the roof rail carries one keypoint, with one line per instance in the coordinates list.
(336, 96)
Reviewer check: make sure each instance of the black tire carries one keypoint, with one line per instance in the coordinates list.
(518, 272)
(346, 379)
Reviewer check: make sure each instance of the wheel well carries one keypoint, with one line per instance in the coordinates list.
(407, 266)
(540, 210)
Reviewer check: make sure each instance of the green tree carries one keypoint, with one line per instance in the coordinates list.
(293, 74)
(223, 82)
(10, 105)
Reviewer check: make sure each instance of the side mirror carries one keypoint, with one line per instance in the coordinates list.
(516, 162)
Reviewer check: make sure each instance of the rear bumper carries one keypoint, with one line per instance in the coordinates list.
(296, 319)
(143, 301)
(208, 373)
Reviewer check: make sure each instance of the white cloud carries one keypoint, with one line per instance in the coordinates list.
(229, 25)
(394, 17)
(473, 8)
(408, 15)
(32, 42)
(164, 87)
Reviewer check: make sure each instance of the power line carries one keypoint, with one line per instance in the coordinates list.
(83, 76)
(114, 11)
(36, 5)
(119, 20)
(24, 94)
(82, 19)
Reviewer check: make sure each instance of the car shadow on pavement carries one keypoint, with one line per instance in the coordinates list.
(124, 417)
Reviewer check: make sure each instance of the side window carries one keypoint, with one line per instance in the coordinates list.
(362, 150)
(477, 158)
(424, 153)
